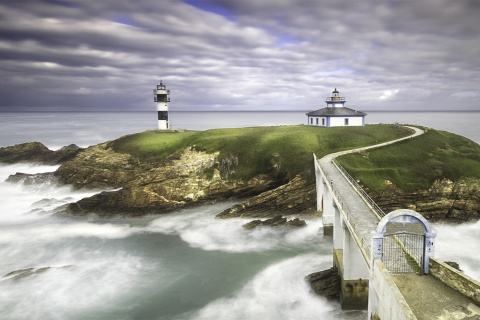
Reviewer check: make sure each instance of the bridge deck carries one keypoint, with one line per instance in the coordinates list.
(360, 216)
(430, 298)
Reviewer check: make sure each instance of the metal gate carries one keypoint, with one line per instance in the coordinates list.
(404, 246)
(403, 252)
(403, 240)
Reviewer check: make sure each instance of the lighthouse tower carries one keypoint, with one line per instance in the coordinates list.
(335, 101)
(162, 97)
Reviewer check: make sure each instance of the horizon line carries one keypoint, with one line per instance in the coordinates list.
(153, 111)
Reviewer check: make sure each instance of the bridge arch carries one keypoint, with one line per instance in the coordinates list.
(403, 240)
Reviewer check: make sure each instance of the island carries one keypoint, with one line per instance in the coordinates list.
(269, 170)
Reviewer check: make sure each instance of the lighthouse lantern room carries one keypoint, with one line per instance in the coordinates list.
(162, 97)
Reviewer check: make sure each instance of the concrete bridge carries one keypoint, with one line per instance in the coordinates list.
(386, 261)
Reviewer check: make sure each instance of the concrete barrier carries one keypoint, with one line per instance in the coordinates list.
(386, 301)
(456, 280)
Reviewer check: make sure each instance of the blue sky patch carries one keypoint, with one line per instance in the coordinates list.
(206, 5)
(124, 20)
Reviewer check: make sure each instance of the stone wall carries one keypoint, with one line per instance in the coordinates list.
(456, 279)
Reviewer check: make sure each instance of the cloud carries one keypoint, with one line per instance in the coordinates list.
(231, 55)
(388, 94)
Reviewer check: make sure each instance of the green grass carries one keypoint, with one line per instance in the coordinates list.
(257, 149)
(415, 164)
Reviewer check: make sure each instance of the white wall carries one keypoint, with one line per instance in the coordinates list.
(335, 121)
(354, 265)
(340, 121)
(317, 121)
(162, 106)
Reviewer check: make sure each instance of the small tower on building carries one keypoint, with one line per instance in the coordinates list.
(335, 114)
(162, 97)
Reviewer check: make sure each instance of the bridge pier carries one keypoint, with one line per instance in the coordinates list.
(353, 272)
(325, 199)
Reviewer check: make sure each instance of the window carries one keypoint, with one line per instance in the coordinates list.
(346, 121)
(323, 121)
(311, 120)
(317, 121)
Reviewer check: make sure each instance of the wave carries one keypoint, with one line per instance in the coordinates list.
(457, 242)
(278, 292)
(200, 229)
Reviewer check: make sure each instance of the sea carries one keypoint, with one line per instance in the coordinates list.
(182, 265)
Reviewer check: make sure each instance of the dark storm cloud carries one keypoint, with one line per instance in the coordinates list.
(249, 54)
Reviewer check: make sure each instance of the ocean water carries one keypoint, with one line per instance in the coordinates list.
(184, 265)
(59, 129)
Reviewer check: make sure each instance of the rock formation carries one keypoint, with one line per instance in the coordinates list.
(444, 200)
(295, 197)
(37, 152)
(325, 283)
(277, 221)
(23, 273)
(151, 187)
(144, 187)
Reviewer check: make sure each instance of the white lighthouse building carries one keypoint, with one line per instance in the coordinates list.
(335, 114)
(162, 97)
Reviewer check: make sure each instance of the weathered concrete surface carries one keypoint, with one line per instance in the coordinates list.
(353, 293)
(432, 299)
(385, 299)
(456, 279)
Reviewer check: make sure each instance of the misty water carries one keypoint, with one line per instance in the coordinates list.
(183, 265)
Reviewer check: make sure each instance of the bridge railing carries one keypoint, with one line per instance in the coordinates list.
(353, 220)
(378, 211)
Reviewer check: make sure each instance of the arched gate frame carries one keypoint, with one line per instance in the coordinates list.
(404, 242)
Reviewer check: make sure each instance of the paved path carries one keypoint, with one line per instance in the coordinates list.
(361, 217)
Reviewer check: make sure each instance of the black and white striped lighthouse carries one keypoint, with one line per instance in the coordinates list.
(162, 97)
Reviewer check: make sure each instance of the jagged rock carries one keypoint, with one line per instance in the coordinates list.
(325, 283)
(23, 273)
(147, 188)
(30, 179)
(98, 167)
(453, 264)
(277, 221)
(37, 152)
(296, 197)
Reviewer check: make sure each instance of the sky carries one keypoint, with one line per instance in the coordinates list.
(229, 55)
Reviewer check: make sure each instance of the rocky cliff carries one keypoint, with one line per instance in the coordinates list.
(37, 152)
(152, 187)
(191, 176)
(444, 200)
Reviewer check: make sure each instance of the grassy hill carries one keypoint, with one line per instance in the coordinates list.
(258, 149)
(411, 165)
(415, 164)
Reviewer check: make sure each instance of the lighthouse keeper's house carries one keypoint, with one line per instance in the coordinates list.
(335, 114)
